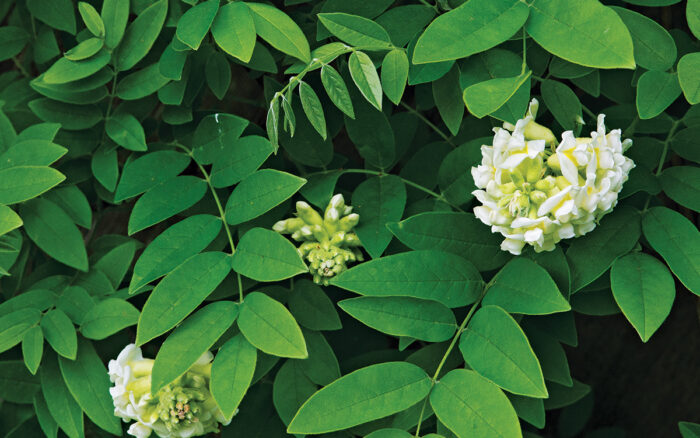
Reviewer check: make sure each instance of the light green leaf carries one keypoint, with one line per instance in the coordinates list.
(654, 48)
(495, 346)
(92, 19)
(312, 108)
(644, 289)
(591, 255)
(584, 32)
(395, 433)
(12, 41)
(486, 97)
(190, 341)
(32, 348)
(62, 406)
(75, 302)
(232, 373)
(64, 70)
(656, 91)
(105, 166)
(15, 324)
(366, 78)
(115, 14)
(337, 90)
(403, 316)
(215, 133)
(148, 171)
(270, 327)
(563, 103)
(321, 367)
(692, 13)
(688, 76)
(140, 35)
(172, 247)
(364, 395)
(33, 152)
(74, 203)
(234, 30)
(60, 333)
(9, 220)
(471, 28)
(522, 286)
(126, 131)
(180, 293)
(259, 192)
(356, 31)
(87, 380)
(241, 158)
(280, 31)
(39, 299)
(52, 230)
(677, 241)
(59, 14)
(682, 184)
(71, 117)
(432, 275)
(165, 200)
(395, 74)
(108, 317)
(84, 50)
(290, 389)
(378, 201)
(470, 405)
(194, 24)
(141, 83)
(264, 255)
(448, 99)
(312, 308)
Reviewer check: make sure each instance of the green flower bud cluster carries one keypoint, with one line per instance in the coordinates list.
(327, 242)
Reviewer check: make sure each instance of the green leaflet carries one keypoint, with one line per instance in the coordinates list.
(312, 108)
(265, 255)
(60, 333)
(32, 349)
(356, 31)
(107, 318)
(232, 373)
(16, 384)
(126, 131)
(366, 78)
(240, 159)
(563, 103)
(395, 75)
(214, 134)
(644, 289)
(656, 91)
(218, 73)
(688, 77)
(433, 275)
(147, 171)
(312, 308)
(364, 395)
(190, 340)
(64, 70)
(486, 97)
(447, 95)
(115, 14)
(378, 201)
(682, 184)
(194, 24)
(21, 183)
(471, 28)
(58, 14)
(234, 30)
(270, 327)
(290, 389)
(337, 90)
(275, 27)
(140, 35)
(15, 324)
(61, 404)
(13, 40)
(654, 48)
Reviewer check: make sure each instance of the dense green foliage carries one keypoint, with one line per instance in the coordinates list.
(152, 152)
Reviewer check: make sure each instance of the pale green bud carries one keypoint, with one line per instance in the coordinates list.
(534, 170)
(538, 197)
(545, 184)
(535, 131)
(308, 214)
(349, 222)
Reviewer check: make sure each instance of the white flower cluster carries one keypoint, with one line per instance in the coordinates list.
(182, 409)
(536, 192)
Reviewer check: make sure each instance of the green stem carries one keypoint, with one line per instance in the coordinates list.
(451, 347)
(590, 113)
(662, 159)
(21, 68)
(425, 120)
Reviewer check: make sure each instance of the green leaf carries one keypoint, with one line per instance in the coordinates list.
(194, 24)
(312, 108)
(364, 395)
(356, 31)
(87, 380)
(260, 192)
(234, 30)
(552, 357)
(677, 241)
(232, 373)
(378, 201)
(563, 103)
(470, 405)
(74, 203)
(688, 76)
(15, 324)
(272, 122)
(654, 48)
(190, 341)
(108, 317)
(215, 133)
(458, 233)
(46, 421)
(75, 302)
(689, 430)
(395, 433)
(471, 28)
(64, 70)
(683, 143)
(290, 389)
(218, 73)
(240, 159)
(59, 14)
(682, 184)
(126, 131)
(312, 308)
(32, 349)
(448, 99)
(522, 286)
(105, 166)
(60, 333)
(92, 19)
(337, 90)
(115, 14)
(656, 91)
(395, 74)
(71, 117)
(644, 289)
(495, 346)
(39, 299)
(180, 293)
(165, 200)
(31, 152)
(692, 13)
(486, 97)
(172, 247)
(141, 83)
(591, 255)
(280, 31)
(372, 134)
(12, 41)
(270, 327)
(403, 316)
(62, 406)
(16, 385)
(432, 275)
(9, 220)
(583, 32)
(366, 78)
(321, 367)
(147, 171)
(52, 230)
(264, 255)
(140, 35)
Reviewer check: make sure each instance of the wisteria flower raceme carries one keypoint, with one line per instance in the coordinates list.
(181, 409)
(536, 192)
(327, 242)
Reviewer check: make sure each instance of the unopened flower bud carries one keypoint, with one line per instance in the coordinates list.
(308, 214)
